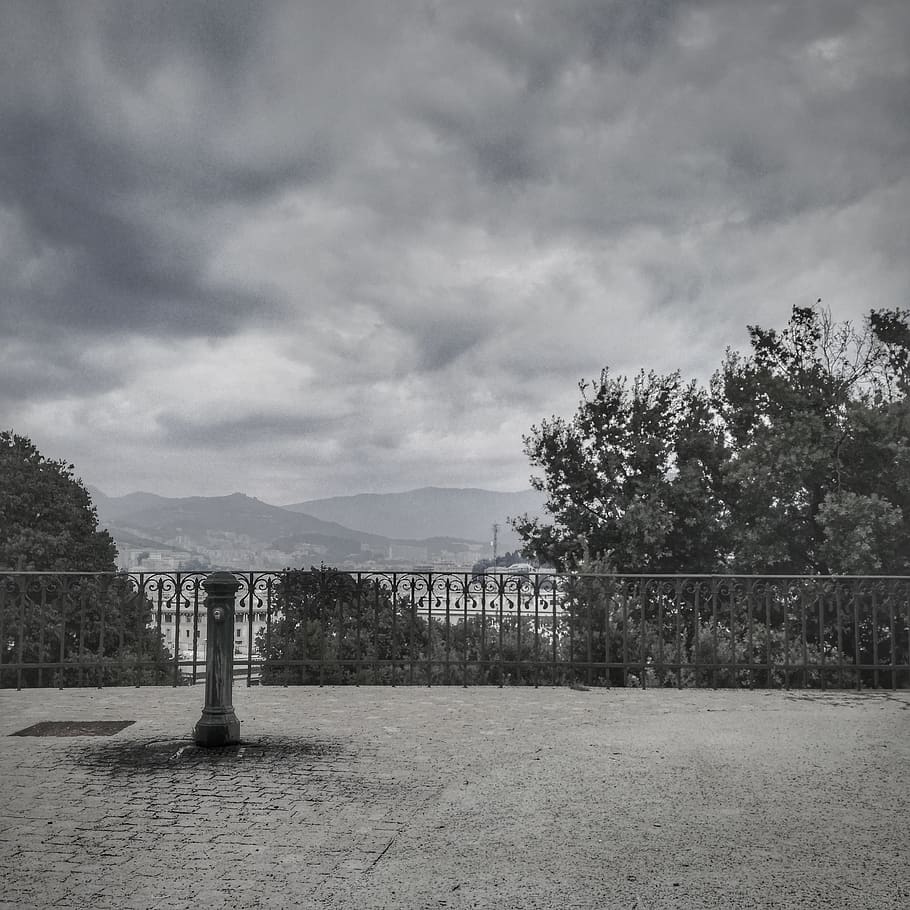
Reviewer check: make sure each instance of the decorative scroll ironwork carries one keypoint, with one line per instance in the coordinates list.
(328, 627)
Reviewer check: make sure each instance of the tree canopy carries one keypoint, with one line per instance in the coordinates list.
(335, 628)
(47, 519)
(795, 459)
(64, 629)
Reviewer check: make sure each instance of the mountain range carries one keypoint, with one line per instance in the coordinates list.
(429, 512)
(427, 524)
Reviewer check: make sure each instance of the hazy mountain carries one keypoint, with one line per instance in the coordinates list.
(129, 539)
(193, 516)
(113, 507)
(239, 523)
(429, 511)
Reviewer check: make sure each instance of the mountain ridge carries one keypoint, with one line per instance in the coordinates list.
(153, 531)
(468, 512)
(425, 525)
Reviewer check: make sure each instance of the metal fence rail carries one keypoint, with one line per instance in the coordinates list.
(424, 628)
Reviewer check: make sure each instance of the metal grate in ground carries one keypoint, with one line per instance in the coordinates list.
(75, 728)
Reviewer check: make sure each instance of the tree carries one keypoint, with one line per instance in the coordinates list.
(506, 559)
(631, 478)
(795, 460)
(817, 479)
(68, 628)
(335, 628)
(47, 520)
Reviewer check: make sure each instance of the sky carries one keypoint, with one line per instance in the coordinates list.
(300, 249)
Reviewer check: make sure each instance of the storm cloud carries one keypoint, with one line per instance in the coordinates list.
(307, 249)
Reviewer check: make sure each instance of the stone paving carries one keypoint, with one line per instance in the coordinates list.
(447, 797)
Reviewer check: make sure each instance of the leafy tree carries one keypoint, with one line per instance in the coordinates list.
(47, 520)
(632, 477)
(818, 422)
(796, 460)
(494, 650)
(506, 559)
(90, 627)
(334, 628)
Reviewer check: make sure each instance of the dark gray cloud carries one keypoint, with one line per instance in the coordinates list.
(130, 211)
(30, 373)
(182, 431)
(384, 238)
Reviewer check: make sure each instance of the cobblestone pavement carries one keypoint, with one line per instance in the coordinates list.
(447, 797)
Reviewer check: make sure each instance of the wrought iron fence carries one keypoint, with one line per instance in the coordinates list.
(424, 628)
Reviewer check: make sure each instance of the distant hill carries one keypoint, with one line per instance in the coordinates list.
(239, 524)
(193, 516)
(113, 507)
(428, 512)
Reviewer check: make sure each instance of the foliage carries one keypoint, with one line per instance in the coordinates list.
(334, 628)
(795, 460)
(48, 524)
(493, 650)
(92, 628)
(761, 656)
(631, 477)
(592, 628)
(47, 520)
(506, 559)
(725, 632)
(816, 416)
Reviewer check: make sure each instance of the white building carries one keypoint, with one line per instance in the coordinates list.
(184, 629)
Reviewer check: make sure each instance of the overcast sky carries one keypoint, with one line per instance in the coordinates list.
(306, 249)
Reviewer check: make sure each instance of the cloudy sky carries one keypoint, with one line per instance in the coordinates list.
(305, 249)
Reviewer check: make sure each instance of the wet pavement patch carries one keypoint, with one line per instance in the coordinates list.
(75, 728)
(150, 755)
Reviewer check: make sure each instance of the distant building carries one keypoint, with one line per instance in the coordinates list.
(139, 559)
(183, 627)
(401, 551)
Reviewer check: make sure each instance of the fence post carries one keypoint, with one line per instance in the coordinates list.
(218, 725)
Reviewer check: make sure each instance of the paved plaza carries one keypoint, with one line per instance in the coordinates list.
(448, 797)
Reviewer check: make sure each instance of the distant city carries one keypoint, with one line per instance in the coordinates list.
(428, 528)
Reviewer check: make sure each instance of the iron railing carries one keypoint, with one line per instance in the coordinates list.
(426, 628)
